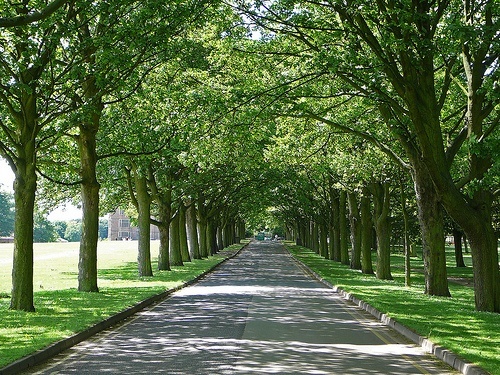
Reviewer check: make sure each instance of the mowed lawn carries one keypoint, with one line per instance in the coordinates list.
(61, 310)
(56, 264)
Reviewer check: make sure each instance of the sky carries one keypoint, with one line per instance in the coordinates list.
(63, 213)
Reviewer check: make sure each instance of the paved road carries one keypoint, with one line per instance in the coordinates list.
(258, 313)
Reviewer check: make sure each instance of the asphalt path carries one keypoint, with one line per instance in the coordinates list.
(259, 313)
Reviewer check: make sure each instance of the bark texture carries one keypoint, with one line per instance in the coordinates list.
(192, 232)
(366, 234)
(87, 264)
(431, 221)
(344, 230)
(144, 227)
(381, 199)
(355, 224)
(22, 270)
(174, 243)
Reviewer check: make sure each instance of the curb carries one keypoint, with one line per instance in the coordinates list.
(58, 347)
(440, 352)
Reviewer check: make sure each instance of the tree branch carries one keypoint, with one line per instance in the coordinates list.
(369, 137)
(32, 17)
(69, 184)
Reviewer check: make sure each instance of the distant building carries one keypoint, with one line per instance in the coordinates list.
(119, 228)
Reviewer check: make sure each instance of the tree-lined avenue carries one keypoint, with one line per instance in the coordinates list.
(360, 130)
(257, 313)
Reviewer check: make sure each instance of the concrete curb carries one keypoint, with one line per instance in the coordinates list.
(443, 354)
(58, 347)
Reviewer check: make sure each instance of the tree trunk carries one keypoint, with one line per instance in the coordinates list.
(164, 218)
(87, 265)
(406, 236)
(323, 240)
(301, 228)
(355, 221)
(144, 226)
(474, 217)
(431, 219)
(314, 237)
(232, 232)
(183, 242)
(240, 235)
(164, 253)
(484, 249)
(344, 230)
(220, 238)
(229, 233)
(336, 229)
(24, 197)
(331, 241)
(302, 232)
(306, 240)
(457, 239)
(366, 234)
(192, 232)
(174, 242)
(163, 201)
(212, 237)
(381, 200)
(203, 238)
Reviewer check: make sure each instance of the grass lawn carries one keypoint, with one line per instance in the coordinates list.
(61, 310)
(449, 322)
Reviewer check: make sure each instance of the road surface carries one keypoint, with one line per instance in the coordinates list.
(259, 313)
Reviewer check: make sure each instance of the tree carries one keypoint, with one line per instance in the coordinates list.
(73, 231)
(29, 105)
(6, 214)
(412, 72)
(422, 88)
(60, 228)
(44, 230)
(103, 228)
(356, 228)
(114, 47)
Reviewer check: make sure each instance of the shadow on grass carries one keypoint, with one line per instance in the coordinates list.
(190, 270)
(128, 271)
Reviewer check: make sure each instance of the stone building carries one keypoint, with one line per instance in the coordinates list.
(120, 229)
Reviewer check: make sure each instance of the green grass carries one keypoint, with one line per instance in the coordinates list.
(61, 310)
(449, 322)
